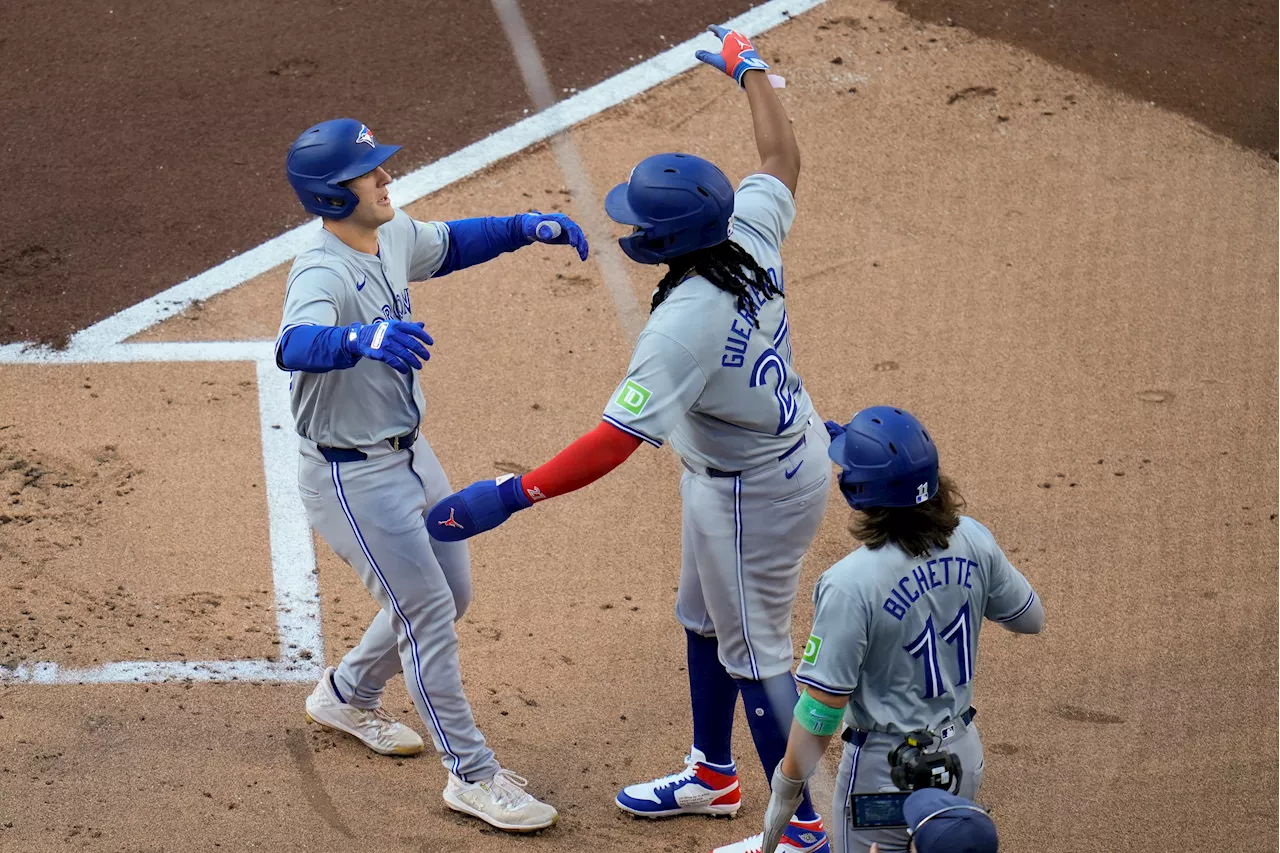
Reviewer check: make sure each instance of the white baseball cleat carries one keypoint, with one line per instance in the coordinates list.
(501, 801)
(375, 728)
(698, 789)
(801, 836)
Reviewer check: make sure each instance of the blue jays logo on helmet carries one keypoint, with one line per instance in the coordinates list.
(886, 458)
(326, 156)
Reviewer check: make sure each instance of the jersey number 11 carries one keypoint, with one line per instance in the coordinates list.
(925, 649)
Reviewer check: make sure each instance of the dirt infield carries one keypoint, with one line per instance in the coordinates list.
(145, 140)
(1075, 289)
(107, 536)
(1214, 62)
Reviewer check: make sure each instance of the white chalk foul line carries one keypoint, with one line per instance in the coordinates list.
(295, 588)
(292, 554)
(430, 178)
(293, 557)
(143, 353)
(150, 672)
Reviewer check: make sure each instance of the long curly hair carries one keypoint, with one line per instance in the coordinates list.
(726, 265)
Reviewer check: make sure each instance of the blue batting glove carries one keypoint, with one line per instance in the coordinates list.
(479, 507)
(401, 345)
(737, 56)
(553, 228)
(834, 429)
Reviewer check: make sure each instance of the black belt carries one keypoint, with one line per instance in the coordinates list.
(716, 472)
(858, 737)
(351, 454)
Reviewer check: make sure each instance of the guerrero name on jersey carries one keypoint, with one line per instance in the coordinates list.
(725, 392)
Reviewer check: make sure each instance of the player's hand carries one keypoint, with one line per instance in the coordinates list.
(783, 802)
(479, 507)
(834, 429)
(553, 228)
(737, 55)
(401, 345)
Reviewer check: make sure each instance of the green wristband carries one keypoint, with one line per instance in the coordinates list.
(817, 718)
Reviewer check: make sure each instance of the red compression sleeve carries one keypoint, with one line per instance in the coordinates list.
(585, 461)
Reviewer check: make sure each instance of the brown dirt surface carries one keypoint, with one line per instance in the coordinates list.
(144, 142)
(1215, 62)
(1076, 290)
(118, 488)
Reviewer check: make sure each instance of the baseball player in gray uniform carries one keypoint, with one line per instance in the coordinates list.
(712, 373)
(366, 475)
(894, 645)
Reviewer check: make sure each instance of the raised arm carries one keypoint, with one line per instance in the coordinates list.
(779, 152)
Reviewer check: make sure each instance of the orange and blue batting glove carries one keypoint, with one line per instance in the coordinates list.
(737, 55)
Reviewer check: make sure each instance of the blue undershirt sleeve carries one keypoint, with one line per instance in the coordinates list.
(474, 241)
(314, 349)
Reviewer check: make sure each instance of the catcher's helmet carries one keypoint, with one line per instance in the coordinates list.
(327, 154)
(679, 203)
(887, 459)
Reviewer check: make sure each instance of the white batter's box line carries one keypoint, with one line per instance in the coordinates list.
(293, 561)
(292, 553)
(432, 177)
(136, 353)
(152, 672)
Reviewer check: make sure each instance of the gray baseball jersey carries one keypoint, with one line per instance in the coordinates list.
(727, 396)
(899, 634)
(723, 391)
(332, 284)
(372, 511)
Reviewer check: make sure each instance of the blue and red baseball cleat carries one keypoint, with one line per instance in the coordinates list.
(698, 789)
(801, 836)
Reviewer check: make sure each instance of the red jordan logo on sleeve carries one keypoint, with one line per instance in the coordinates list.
(449, 522)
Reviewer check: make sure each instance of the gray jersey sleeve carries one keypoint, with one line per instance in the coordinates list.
(765, 205)
(313, 298)
(833, 655)
(662, 384)
(1009, 594)
(430, 244)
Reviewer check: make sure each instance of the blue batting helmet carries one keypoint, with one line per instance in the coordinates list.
(887, 459)
(327, 154)
(679, 204)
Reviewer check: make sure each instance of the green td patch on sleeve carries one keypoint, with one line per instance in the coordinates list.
(811, 649)
(633, 397)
